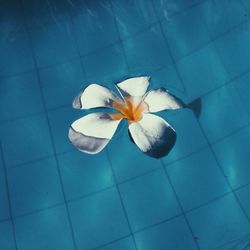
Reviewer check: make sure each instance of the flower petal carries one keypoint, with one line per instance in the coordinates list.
(153, 135)
(87, 144)
(136, 86)
(92, 132)
(160, 99)
(95, 96)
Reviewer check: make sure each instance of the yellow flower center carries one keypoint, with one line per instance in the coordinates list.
(132, 110)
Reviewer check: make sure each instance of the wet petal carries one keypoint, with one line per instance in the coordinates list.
(160, 99)
(87, 144)
(95, 96)
(92, 132)
(153, 135)
(136, 86)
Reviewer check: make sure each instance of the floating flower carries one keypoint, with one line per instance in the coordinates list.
(151, 133)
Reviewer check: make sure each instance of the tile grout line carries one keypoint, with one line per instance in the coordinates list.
(107, 188)
(111, 242)
(231, 80)
(168, 47)
(8, 196)
(120, 41)
(223, 173)
(180, 205)
(78, 51)
(210, 42)
(121, 200)
(163, 165)
(126, 180)
(46, 112)
(50, 132)
(130, 37)
(107, 152)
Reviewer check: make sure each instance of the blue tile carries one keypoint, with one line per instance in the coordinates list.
(16, 54)
(34, 186)
(216, 119)
(218, 223)
(234, 50)
(126, 158)
(167, 78)
(173, 234)
(133, 16)
(223, 15)
(11, 19)
(105, 66)
(246, 4)
(60, 121)
(41, 13)
(53, 44)
(25, 139)
(98, 223)
(4, 204)
(242, 85)
(192, 176)
(21, 94)
(48, 229)
(241, 243)
(244, 194)
(1, 161)
(84, 174)
(189, 134)
(186, 32)
(202, 71)
(147, 51)
(61, 83)
(7, 238)
(148, 200)
(94, 26)
(124, 244)
(233, 155)
(166, 8)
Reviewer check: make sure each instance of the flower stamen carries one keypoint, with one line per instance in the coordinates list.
(132, 110)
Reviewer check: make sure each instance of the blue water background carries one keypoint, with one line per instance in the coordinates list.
(52, 197)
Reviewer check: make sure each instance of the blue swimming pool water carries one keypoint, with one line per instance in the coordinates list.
(52, 197)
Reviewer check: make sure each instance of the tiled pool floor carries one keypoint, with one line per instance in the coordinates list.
(53, 197)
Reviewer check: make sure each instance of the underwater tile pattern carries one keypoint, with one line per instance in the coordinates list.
(23, 87)
(96, 224)
(57, 87)
(192, 176)
(123, 244)
(217, 103)
(81, 179)
(4, 205)
(7, 238)
(243, 194)
(209, 222)
(141, 193)
(16, 54)
(34, 186)
(37, 230)
(141, 12)
(55, 197)
(184, 37)
(94, 26)
(236, 147)
(173, 234)
(147, 51)
(21, 136)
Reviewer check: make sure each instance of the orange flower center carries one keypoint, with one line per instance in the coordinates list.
(132, 110)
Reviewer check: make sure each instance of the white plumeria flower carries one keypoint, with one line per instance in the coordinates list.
(152, 134)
